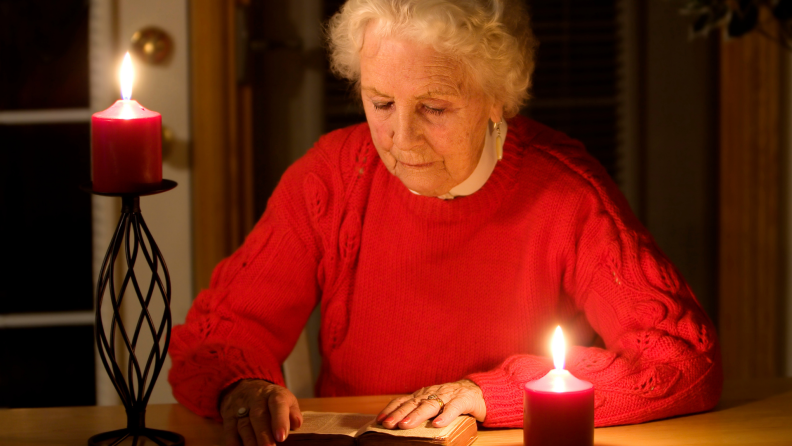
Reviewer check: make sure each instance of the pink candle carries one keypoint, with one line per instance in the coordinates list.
(126, 143)
(558, 408)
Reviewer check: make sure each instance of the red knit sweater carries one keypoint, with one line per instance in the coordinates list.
(416, 291)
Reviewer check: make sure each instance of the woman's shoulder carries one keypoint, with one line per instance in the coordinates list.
(335, 155)
(569, 167)
(552, 149)
(334, 164)
(343, 146)
(350, 134)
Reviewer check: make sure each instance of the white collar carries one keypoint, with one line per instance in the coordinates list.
(481, 174)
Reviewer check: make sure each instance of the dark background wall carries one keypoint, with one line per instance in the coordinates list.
(649, 114)
(621, 76)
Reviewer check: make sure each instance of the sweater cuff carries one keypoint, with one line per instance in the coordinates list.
(503, 389)
(503, 400)
(199, 380)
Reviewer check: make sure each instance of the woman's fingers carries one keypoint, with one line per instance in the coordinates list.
(279, 407)
(451, 411)
(460, 397)
(295, 416)
(230, 432)
(425, 410)
(401, 412)
(409, 412)
(260, 422)
(392, 406)
(246, 432)
(272, 411)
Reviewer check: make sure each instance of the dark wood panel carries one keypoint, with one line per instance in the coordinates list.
(751, 316)
(222, 203)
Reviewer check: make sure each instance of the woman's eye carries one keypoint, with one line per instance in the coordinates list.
(434, 111)
(382, 106)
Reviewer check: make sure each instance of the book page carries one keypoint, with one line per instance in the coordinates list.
(425, 430)
(330, 423)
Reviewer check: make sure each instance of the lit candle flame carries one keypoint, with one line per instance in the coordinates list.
(559, 348)
(127, 77)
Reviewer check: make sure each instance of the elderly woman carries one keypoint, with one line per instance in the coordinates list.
(444, 239)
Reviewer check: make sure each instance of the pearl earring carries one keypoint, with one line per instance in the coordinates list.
(498, 140)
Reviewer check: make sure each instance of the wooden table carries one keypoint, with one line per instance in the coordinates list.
(764, 422)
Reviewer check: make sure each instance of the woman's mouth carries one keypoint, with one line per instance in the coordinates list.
(416, 165)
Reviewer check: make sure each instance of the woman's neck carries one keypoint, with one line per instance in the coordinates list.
(483, 170)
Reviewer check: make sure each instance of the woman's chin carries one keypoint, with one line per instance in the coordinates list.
(425, 188)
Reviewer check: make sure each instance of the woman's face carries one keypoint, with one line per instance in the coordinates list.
(428, 121)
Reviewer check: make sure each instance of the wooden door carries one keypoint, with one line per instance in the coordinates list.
(752, 307)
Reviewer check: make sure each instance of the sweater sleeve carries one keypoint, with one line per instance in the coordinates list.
(247, 322)
(661, 355)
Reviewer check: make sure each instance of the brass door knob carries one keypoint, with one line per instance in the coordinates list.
(152, 45)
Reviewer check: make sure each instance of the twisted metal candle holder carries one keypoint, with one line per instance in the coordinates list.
(135, 382)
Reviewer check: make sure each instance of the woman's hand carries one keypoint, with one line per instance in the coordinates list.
(461, 397)
(272, 411)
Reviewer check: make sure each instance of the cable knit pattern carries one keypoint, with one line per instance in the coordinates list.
(416, 291)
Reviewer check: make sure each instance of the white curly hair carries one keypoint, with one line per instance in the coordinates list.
(491, 38)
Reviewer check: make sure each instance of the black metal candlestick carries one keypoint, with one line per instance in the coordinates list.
(134, 385)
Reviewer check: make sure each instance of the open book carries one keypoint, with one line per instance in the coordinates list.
(347, 429)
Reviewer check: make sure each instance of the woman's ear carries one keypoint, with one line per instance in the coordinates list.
(496, 113)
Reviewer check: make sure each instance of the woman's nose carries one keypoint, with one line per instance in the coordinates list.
(406, 134)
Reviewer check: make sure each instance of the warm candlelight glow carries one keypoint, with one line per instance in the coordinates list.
(126, 143)
(127, 77)
(558, 383)
(558, 348)
(558, 408)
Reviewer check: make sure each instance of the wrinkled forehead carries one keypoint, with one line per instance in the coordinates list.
(384, 52)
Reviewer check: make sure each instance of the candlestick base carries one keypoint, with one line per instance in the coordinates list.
(138, 437)
(134, 381)
(151, 189)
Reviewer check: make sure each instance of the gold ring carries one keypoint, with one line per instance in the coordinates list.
(242, 412)
(434, 397)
